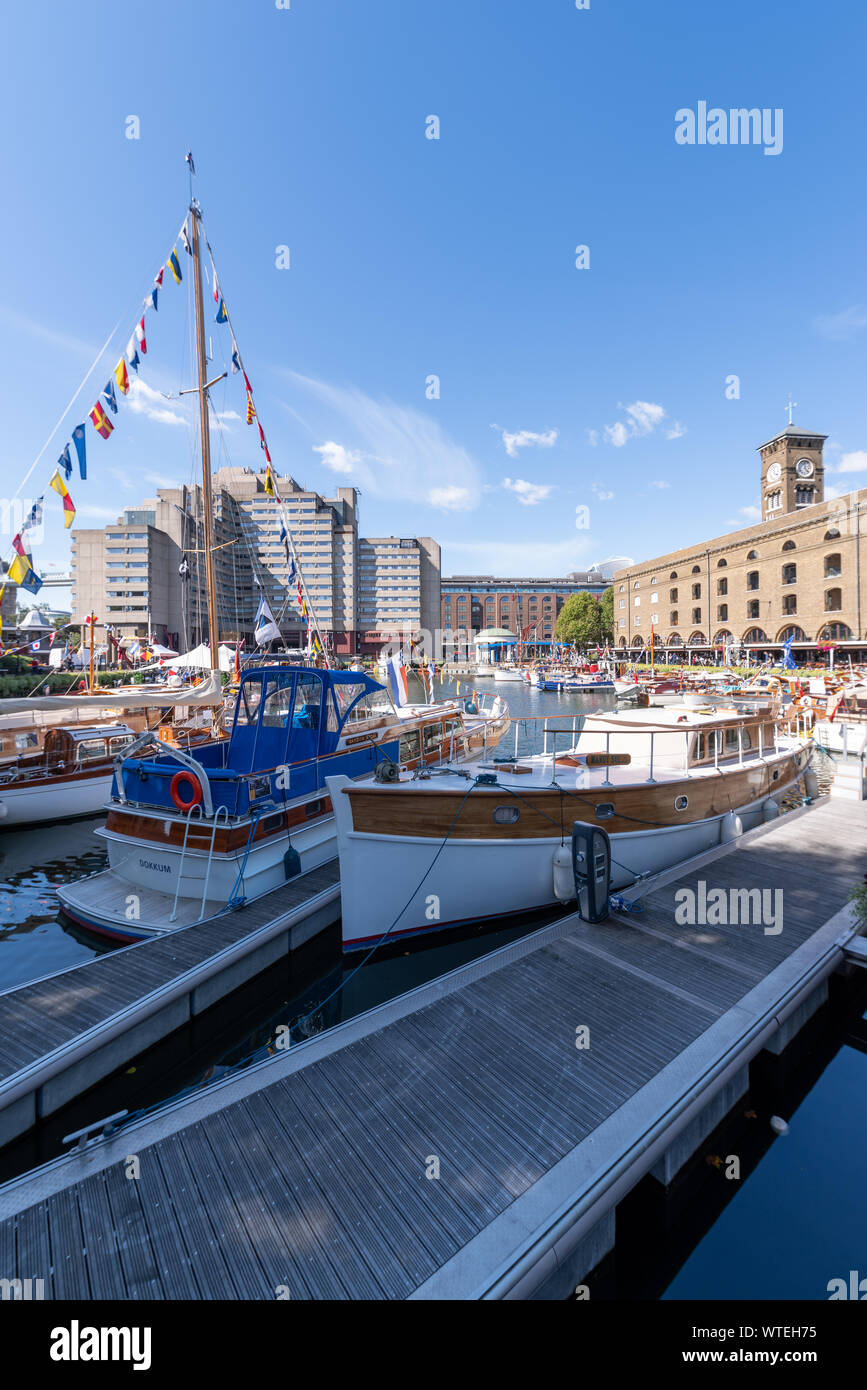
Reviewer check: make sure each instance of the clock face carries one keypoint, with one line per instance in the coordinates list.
(774, 473)
(804, 468)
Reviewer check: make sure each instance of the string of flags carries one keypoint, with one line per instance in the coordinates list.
(20, 569)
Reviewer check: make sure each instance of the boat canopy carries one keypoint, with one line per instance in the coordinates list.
(210, 692)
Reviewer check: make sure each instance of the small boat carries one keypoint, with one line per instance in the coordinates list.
(576, 685)
(189, 836)
(465, 845)
(69, 776)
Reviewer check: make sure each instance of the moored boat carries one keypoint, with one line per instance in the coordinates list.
(427, 853)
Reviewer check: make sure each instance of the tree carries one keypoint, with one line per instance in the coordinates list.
(606, 613)
(580, 620)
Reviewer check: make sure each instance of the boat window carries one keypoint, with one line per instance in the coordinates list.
(410, 746)
(116, 743)
(699, 748)
(731, 740)
(681, 803)
(605, 810)
(344, 696)
(433, 737)
(308, 701)
(27, 740)
(507, 815)
(249, 697)
(92, 748)
(746, 740)
(278, 701)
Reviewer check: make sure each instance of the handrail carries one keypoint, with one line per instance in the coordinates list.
(195, 807)
(225, 811)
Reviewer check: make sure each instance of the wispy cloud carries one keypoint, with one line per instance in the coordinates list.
(602, 494)
(855, 462)
(528, 494)
(593, 437)
(526, 439)
(397, 452)
(161, 480)
(98, 513)
(844, 324)
(660, 483)
(642, 418)
(144, 400)
(55, 337)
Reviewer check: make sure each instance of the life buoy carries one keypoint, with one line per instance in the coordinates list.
(185, 778)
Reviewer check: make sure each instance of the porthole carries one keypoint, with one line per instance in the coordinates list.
(605, 810)
(681, 803)
(272, 823)
(776, 775)
(506, 815)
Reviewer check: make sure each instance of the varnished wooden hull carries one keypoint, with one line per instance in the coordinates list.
(419, 861)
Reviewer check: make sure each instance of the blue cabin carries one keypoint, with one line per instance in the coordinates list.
(286, 731)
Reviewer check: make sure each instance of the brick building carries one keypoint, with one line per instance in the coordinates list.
(473, 602)
(800, 572)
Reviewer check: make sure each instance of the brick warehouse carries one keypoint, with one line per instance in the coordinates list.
(800, 572)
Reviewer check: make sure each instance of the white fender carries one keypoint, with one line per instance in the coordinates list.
(731, 828)
(564, 874)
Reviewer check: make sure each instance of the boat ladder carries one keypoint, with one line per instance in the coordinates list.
(220, 813)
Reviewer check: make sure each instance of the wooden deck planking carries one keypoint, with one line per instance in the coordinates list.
(317, 1179)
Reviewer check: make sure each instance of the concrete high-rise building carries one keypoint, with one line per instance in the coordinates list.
(129, 573)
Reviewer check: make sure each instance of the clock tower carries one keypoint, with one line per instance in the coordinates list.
(792, 471)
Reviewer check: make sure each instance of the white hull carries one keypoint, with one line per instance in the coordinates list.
(37, 802)
(839, 736)
(477, 880)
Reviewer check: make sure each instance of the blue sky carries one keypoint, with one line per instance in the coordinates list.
(603, 387)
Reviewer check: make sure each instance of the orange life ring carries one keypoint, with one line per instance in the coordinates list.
(184, 778)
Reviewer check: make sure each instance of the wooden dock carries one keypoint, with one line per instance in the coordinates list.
(61, 1034)
(455, 1142)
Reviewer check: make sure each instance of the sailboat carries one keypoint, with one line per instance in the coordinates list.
(191, 833)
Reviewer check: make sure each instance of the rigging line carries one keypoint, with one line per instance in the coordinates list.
(283, 515)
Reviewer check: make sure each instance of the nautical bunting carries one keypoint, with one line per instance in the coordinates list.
(108, 395)
(158, 281)
(65, 462)
(236, 358)
(140, 334)
(222, 316)
(101, 422)
(122, 376)
(174, 265)
(68, 505)
(151, 301)
(80, 448)
(251, 410)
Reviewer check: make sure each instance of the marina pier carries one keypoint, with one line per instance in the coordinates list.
(456, 1143)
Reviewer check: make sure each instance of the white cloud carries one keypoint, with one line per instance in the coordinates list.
(144, 400)
(451, 499)
(751, 513)
(525, 439)
(593, 437)
(398, 453)
(855, 462)
(842, 325)
(618, 434)
(528, 494)
(97, 513)
(601, 494)
(643, 418)
(224, 415)
(338, 459)
(660, 483)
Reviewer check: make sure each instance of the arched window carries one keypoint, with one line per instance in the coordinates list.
(698, 639)
(753, 608)
(638, 641)
(753, 579)
(835, 632)
(832, 535)
(637, 584)
(675, 640)
(804, 495)
(653, 580)
(672, 595)
(833, 566)
(755, 634)
(833, 600)
(721, 637)
(721, 564)
(797, 634)
(774, 501)
(673, 574)
(789, 545)
(696, 569)
(753, 555)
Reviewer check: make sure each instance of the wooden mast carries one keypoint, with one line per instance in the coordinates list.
(213, 636)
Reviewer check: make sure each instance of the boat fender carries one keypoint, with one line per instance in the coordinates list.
(4, 810)
(731, 828)
(182, 779)
(811, 784)
(770, 809)
(471, 707)
(564, 875)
